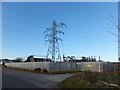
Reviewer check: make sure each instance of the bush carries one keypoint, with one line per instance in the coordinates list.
(44, 70)
(37, 69)
(90, 77)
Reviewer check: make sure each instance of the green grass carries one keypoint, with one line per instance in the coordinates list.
(76, 83)
(63, 72)
(89, 79)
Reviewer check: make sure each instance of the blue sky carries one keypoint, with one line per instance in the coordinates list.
(86, 33)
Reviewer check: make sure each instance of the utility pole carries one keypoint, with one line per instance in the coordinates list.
(51, 34)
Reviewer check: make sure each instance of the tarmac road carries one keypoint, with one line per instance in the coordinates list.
(20, 79)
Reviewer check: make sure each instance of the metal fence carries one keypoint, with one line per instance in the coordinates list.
(30, 65)
(96, 66)
(65, 66)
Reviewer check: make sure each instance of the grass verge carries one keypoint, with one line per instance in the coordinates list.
(89, 79)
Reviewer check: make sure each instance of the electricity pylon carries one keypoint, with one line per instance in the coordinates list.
(51, 36)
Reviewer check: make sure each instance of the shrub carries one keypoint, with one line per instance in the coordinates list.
(44, 70)
(90, 77)
(37, 69)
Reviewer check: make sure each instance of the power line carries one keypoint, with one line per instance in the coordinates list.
(19, 36)
(47, 35)
(32, 24)
(19, 30)
(22, 21)
(23, 14)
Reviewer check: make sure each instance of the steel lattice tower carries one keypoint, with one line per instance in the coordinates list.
(51, 36)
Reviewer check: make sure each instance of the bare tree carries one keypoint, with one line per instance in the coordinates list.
(116, 22)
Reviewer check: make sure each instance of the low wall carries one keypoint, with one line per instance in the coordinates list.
(30, 65)
(96, 66)
(65, 66)
(93, 66)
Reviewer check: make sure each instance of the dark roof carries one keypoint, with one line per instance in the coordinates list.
(41, 59)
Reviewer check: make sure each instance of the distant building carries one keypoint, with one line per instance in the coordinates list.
(3, 61)
(33, 58)
(41, 59)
